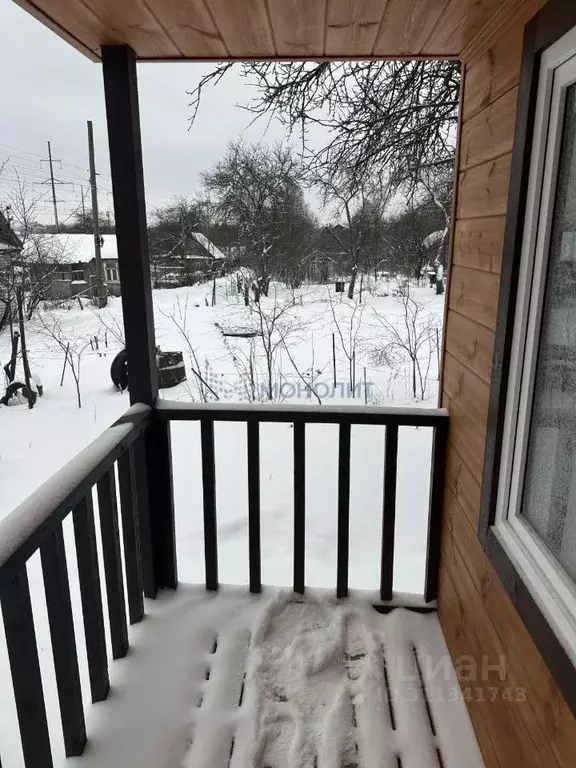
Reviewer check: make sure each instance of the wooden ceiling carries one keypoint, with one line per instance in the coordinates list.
(241, 29)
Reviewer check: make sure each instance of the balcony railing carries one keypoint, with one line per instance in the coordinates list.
(300, 415)
(37, 524)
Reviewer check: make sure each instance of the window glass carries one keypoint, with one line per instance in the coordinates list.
(549, 497)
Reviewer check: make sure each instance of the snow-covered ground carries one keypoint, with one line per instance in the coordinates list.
(34, 444)
(282, 682)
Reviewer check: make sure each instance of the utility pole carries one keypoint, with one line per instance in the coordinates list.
(53, 189)
(83, 208)
(101, 300)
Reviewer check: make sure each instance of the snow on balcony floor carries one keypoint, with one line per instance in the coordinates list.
(236, 681)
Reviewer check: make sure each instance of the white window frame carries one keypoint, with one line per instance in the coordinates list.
(112, 271)
(550, 586)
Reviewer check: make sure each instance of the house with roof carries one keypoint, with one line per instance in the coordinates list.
(201, 261)
(226, 237)
(71, 261)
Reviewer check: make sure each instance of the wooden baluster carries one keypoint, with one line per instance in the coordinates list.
(209, 496)
(130, 535)
(91, 597)
(437, 476)
(299, 506)
(343, 509)
(110, 531)
(59, 605)
(25, 669)
(253, 444)
(389, 512)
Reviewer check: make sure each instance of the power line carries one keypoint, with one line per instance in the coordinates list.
(155, 193)
(35, 154)
(35, 176)
(31, 168)
(37, 172)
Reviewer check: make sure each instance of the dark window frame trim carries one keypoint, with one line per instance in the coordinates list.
(551, 23)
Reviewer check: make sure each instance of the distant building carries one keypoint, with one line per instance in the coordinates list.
(203, 260)
(67, 263)
(225, 237)
(70, 262)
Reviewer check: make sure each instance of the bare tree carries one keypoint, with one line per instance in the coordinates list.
(22, 331)
(407, 251)
(391, 119)
(307, 377)
(342, 193)
(171, 233)
(369, 221)
(11, 247)
(347, 332)
(256, 189)
(245, 365)
(414, 337)
(437, 184)
(38, 263)
(69, 342)
(361, 207)
(112, 325)
(179, 317)
(81, 222)
(406, 236)
(276, 323)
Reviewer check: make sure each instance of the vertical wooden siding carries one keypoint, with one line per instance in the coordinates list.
(518, 713)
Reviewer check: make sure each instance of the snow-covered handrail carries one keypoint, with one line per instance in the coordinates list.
(23, 530)
(288, 412)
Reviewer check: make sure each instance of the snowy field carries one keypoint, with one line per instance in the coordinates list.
(36, 443)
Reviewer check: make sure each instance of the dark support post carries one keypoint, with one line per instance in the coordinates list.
(439, 443)
(123, 117)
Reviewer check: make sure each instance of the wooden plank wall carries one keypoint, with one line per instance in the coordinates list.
(518, 713)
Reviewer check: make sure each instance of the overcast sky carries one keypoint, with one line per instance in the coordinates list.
(50, 90)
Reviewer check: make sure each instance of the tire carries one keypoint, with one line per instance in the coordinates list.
(119, 370)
